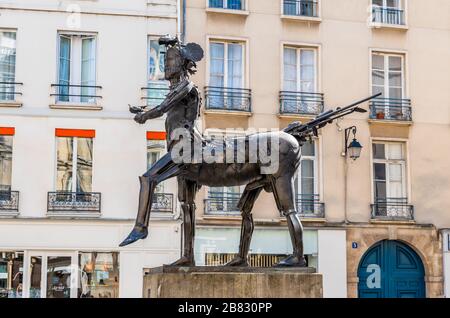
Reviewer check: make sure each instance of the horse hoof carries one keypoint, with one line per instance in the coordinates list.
(138, 233)
(292, 261)
(238, 262)
(184, 261)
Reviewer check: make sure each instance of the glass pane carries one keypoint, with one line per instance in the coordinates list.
(217, 65)
(380, 190)
(379, 171)
(290, 69)
(88, 70)
(5, 162)
(156, 61)
(84, 165)
(64, 68)
(395, 151)
(378, 2)
(64, 164)
(216, 3)
(35, 276)
(58, 276)
(308, 149)
(395, 92)
(99, 275)
(377, 62)
(378, 78)
(395, 79)
(378, 151)
(235, 65)
(396, 190)
(395, 172)
(234, 4)
(307, 173)
(7, 65)
(11, 274)
(395, 63)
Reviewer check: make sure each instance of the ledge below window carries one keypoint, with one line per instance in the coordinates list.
(390, 122)
(243, 13)
(76, 106)
(400, 27)
(73, 215)
(12, 104)
(301, 18)
(227, 112)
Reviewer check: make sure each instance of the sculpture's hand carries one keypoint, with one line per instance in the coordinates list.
(140, 118)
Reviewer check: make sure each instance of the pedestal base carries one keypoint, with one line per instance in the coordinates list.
(231, 282)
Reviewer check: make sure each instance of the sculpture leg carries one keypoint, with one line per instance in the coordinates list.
(245, 205)
(164, 169)
(283, 191)
(186, 195)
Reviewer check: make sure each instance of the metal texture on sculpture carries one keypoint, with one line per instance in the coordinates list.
(182, 107)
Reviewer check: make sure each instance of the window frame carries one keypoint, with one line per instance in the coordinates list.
(316, 19)
(299, 81)
(386, 71)
(14, 101)
(316, 166)
(403, 5)
(164, 83)
(12, 159)
(244, 5)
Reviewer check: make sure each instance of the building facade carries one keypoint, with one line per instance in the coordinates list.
(70, 152)
(372, 225)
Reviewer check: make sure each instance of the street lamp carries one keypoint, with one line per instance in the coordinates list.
(353, 150)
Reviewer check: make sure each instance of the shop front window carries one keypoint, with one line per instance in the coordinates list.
(99, 275)
(11, 274)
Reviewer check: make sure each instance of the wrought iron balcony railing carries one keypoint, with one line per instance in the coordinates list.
(70, 93)
(301, 103)
(162, 202)
(228, 98)
(154, 95)
(222, 203)
(9, 201)
(226, 4)
(62, 202)
(9, 91)
(309, 206)
(306, 8)
(392, 209)
(391, 109)
(388, 15)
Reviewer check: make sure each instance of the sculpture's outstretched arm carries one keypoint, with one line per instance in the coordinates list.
(173, 98)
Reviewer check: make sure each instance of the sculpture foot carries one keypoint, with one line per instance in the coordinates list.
(292, 261)
(238, 262)
(138, 233)
(184, 261)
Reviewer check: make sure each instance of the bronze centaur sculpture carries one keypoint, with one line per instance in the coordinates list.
(182, 107)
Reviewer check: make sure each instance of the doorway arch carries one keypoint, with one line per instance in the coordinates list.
(391, 269)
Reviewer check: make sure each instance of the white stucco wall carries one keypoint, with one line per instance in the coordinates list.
(333, 262)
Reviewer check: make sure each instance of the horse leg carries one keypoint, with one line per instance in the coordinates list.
(186, 195)
(245, 205)
(164, 169)
(283, 192)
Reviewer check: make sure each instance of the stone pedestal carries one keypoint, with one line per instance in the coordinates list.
(231, 282)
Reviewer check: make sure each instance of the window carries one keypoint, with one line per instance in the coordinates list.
(306, 182)
(389, 170)
(11, 274)
(388, 12)
(388, 75)
(307, 8)
(155, 150)
(157, 87)
(77, 68)
(99, 275)
(74, 164)
(300, 69)
(6, 145)
(226, 4)
(7, 65)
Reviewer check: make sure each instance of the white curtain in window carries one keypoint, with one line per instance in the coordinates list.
(217, 64)
(88, 69)
(235, 65)
(7, 64)
(307, 71)
(64, 67)
(290, 69)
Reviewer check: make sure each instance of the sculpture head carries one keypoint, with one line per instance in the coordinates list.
(180, 59)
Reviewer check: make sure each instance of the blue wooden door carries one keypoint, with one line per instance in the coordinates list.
(391, 269)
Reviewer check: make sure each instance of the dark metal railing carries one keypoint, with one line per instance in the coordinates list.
(9, 201)
(154, 96)
(391, 109)
(162, 202)
(301, 103)
(226, 4)
(62, 201)
(219, 202)
(309, 206)
(8, 91)
(388, 15)
(228, 98)
(76, 93)
(392, 209)
(300, 8)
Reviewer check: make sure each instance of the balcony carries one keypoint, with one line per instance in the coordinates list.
(391, 109)
(219, 203)
(9, 94)
(309, 206)
(74, 203)
(69, 96)
(228, 99)
(162, 202)
(388, 17)
(302, 9)
(299, 103)
(392, 209)
(154, 95)
(9, 202)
